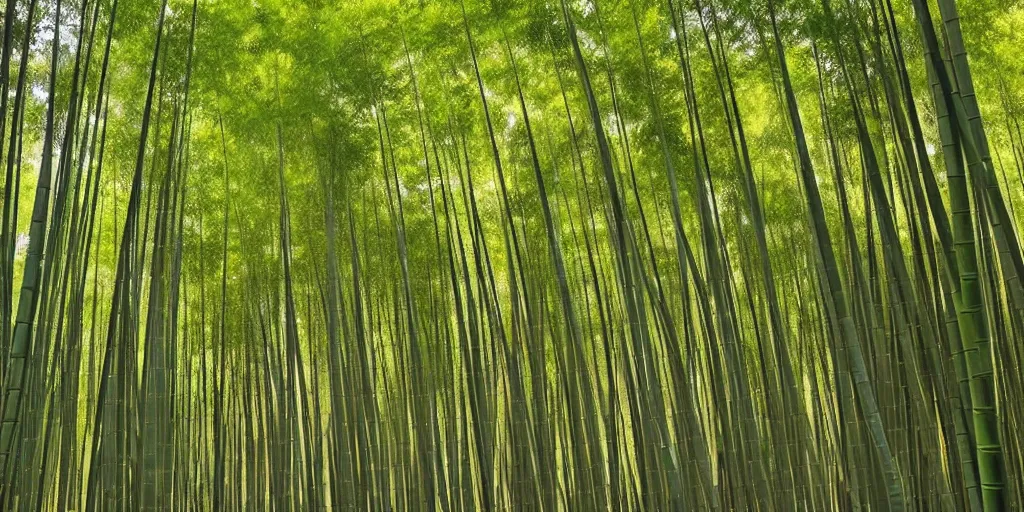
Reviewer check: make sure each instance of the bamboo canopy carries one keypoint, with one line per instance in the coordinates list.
(538, 255)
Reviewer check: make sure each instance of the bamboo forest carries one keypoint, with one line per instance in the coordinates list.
(512, 255)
